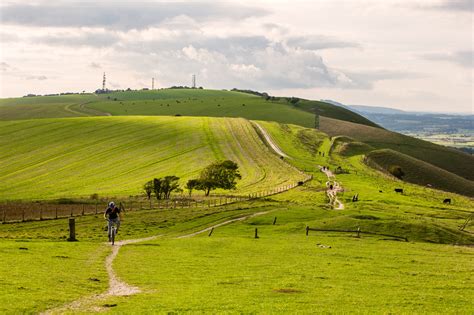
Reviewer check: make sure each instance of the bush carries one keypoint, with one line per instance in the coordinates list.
(396, 171)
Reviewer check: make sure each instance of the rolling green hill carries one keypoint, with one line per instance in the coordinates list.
(451, 160)
(45, 106)
(171, 102)
(115, 156)
(421, 173)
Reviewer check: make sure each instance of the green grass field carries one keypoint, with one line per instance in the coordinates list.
(283, 271)
(77, 157)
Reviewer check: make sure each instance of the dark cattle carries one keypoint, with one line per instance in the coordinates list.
(330, 187)
(399, 190)
(447, 201)
(282, 158)
(380, 191)
(300, 183)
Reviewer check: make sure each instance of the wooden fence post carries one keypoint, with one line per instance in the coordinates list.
(96, 206)
(256, 233)
(41, 212)
(56, 212)
(275, 220)
(4, 215)
(23, 214)
(307, 230)
(83, 206)
(210, 233)
(358, 231)
(72, 209)
(72, 230)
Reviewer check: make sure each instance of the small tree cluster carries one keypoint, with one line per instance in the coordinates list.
(161, 187)
(222, 174)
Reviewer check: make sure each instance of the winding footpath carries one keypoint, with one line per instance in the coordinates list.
(118, 287)
(332, 193)
(270, 141)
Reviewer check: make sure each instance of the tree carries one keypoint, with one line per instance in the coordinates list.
(192, 184)
(169, 184)
(221, 174)
(148, 188)
(162, 187)
(157, 188)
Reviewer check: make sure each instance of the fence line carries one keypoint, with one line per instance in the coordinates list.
(22, 212)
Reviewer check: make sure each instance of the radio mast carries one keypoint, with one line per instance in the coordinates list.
(103, 83)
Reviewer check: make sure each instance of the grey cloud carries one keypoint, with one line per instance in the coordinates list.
(36, 77)
(315, 42)
(461, 58)
(121, 15)
(455, 5)
(5, 67)
(366, 79)
(95, 65)
(92, 39)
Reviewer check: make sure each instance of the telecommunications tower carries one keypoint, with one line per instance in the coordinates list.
(103, 83)
(152, 83)
(194, 81)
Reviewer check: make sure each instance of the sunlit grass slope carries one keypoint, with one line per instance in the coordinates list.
(451, 160)
(115, 156)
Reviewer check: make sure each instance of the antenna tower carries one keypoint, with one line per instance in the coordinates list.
(194, 81)
(152, 83)
(103, 83)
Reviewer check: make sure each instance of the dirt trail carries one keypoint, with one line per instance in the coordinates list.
(336, 187)
(270, 141)
(118, 287)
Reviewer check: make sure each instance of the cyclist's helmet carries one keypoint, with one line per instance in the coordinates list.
(111, 204)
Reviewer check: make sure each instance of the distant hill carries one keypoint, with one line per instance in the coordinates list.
(451, 160)
(173, 102)
(362, 109)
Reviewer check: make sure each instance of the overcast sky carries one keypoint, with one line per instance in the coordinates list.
(411, 55)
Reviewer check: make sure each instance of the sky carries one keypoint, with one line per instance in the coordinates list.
(410, 55)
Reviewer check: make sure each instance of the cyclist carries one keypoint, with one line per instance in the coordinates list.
(112, 215)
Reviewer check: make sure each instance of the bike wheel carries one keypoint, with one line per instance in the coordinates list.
(113, 235)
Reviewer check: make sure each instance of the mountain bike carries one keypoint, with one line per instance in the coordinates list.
(113, 231)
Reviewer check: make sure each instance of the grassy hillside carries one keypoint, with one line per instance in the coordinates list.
(420, 172)
(171, 102)
(452, 160)
(44, 106)
(115, 156)
(283, 271)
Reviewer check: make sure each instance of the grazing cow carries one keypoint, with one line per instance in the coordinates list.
(380, 191)
(330, 187)
(300, 183)
(399, 190)
(447, 201)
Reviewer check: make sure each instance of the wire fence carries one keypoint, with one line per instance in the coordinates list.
(34, 211)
